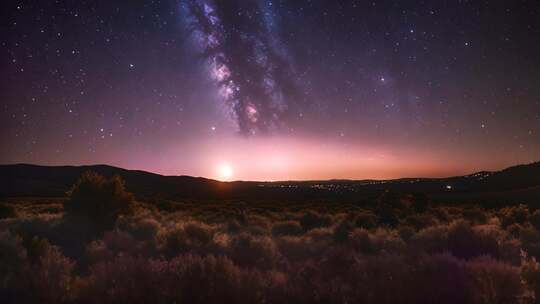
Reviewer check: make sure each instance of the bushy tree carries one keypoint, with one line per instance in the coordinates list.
(99, 198)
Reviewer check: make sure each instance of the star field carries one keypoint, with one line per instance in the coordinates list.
(274, 89)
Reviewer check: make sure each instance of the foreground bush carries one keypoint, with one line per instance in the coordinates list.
(101, 199)
(108, 250)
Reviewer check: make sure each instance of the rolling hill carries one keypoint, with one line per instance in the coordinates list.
(33, 180)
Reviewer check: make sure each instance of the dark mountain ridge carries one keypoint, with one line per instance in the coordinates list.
(19, 180)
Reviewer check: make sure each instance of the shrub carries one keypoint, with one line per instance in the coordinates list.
(343, 230)
(530, 241)
(494, 282)
(312, 219)
(36, 248)
(121, 242)
(420, 221)
(534, 219)
(432, 239)
(389, 208)
(366, 220)
(184, 279)
(142, 228)
(466, 243)
(192, 236)
(50, 278)
(97, 251)
(530, 271)
(7, 211)
(406, 232)
(253, 251)
(475, 215)
(514, 230)
(321, 234)
(99, 198)
(287, 228)
(515, 214)
(259, 221)
(420, 202)
(199, 232)
(362, 242)
(12, 264)
(298, 249)
(218, 277)
(439, 278)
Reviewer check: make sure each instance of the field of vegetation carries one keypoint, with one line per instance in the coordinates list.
(101, 245)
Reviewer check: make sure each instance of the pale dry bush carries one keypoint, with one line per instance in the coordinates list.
(143, 226)
(366, 219)
(300, 248)
(530, 272)
(13, 262)
(121, 242)
(183, 279)
(97, 251)
(406, 232)
(287, 228)
(534, 219)
(50, 279)
(43, 225)
(253, 251)
(431, 239)
(191, 236)
(514, 214)
(124, 279)
(325, 235)
(312, 219)
(530, 241)
(425, 279)
(475, 215)
(421, 221)
(509, 248)
(464, 242)
(255, 220)
(493, 281)
(380, 241)
(201, 256)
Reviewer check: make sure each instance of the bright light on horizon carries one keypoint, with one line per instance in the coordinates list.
(225, 171)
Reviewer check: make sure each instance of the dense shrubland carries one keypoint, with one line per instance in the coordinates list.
(100, 245)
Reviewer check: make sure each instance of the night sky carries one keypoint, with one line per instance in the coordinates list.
(268, 90)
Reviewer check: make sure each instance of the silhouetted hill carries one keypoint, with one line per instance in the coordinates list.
(34, 180)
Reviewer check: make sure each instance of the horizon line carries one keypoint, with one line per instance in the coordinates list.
(270, 181)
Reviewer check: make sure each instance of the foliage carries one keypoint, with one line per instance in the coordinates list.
(266, 252)
(100, 198)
